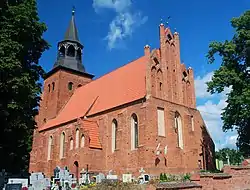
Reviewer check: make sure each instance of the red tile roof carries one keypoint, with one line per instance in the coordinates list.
(123, 85)
(92, 128)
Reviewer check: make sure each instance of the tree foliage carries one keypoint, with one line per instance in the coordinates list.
(21, 46)
(234, 73)
(235, 157)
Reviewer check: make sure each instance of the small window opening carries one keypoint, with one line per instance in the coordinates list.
(44, 120)
(49, 87)
(79, 54)
(79, 85)
(169, 37)
(160, 86)
(71, 51)
(156, 61)
(70, 86)
(53, 86)
(185, 76)
(62, 52)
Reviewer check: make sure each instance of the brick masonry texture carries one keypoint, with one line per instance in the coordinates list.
(169, 85)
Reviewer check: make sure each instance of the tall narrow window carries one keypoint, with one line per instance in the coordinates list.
(161, 122)
(114, 135)
(82, 141)
(77, 138)
(53, 86)
(62, 145)
(192, 123)
(62, 52)
(50, 147)
(71, 51)
(71, 144)
(70, 85)
(134, 132)
(49, 87)
(178, 126)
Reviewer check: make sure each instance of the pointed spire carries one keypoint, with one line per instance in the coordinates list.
(71, 33)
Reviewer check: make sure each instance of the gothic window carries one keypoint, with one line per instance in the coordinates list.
(82, 141)
(161, 122)
(77, 138)
(62, 145)
(178, 127)
(71, 144)
(114, 135)
(70, 85)
(134, 132)
(49, 147)
(53, 86)
(71, 51)
(79, 54)
(62, 51)
(49, 87)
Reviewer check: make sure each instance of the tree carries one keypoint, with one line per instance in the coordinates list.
(235, 157)
(234, 74)
(21, 46)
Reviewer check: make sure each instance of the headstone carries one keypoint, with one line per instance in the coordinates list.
(14, 186)
(24, 182)
(100, 177)
(113, 177)
(146, 178)
(126, 178)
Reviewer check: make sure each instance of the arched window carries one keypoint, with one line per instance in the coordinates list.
(62, 51)
(49, 87)
(70, 85)
(82, 141)
(77, 138)
(71, 144)
(134, 132)
(114, 135)
(178, 127)
(53, 86)
(50, 147)
(62, 145)
(79, 54)
(71, 51)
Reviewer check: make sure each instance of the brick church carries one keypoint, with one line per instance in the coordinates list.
(141, 115)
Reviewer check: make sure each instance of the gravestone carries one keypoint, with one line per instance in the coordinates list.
(113, 177)
(13, 186)
(126, 178)
(100, 177)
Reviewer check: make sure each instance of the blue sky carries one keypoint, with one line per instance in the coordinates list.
(114, 32)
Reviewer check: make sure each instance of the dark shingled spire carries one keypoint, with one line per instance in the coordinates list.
(71, 33)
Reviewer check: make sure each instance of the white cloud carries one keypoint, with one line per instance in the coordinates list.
(211, 112)
(201, 86)
(117, 5)
(125, 21)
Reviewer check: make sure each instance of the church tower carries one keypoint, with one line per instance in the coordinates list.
(67, 74)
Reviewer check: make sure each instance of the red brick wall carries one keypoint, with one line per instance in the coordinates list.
(234, 178)
(54, 100)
